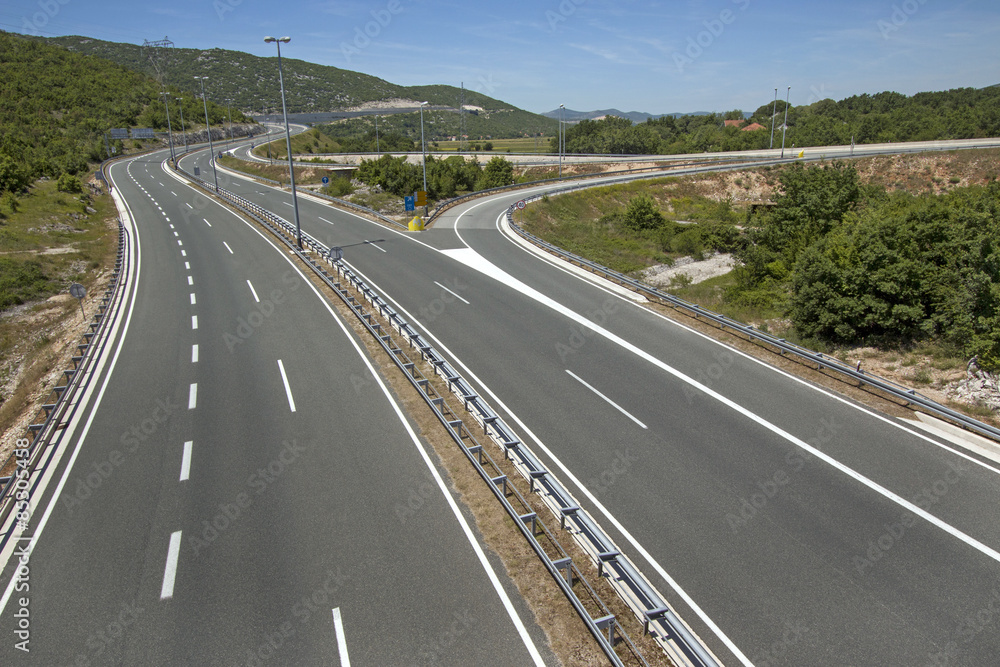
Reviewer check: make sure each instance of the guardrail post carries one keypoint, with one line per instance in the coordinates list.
(607, 623)
(565, 565)
(652, 615)
(606, 557)
(565, 512)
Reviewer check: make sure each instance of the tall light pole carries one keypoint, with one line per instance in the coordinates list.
(229, 115)
(180, 104)
(562, 109)
(784, 125)
(378, 152)
(170, 132)
(423, 152)
(774, 112)
(288, 136)
(208, 129)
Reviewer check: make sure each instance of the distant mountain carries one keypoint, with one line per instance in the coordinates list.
(251, 82)
(634, 116)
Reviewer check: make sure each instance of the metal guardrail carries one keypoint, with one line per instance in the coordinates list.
(634, 589)
(822, 361)
(26, 459)
(340, 202)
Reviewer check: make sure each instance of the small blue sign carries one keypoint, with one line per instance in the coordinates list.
(410, 202)
(326, 179)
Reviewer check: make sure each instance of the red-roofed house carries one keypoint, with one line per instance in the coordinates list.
(752, 127)
(734, 123)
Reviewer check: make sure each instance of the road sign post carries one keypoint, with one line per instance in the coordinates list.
(78, 291)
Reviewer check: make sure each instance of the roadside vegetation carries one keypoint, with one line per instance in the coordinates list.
(963, 113)
(833, 263)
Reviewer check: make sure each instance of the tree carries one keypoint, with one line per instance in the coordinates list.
(642, 214)
(498, 172)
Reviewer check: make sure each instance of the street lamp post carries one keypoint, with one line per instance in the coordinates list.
(784, 125)
(229, 116)
(774, 112)
(208, 129)
(288, 136)
(170, 132)
(423, 152)
(378, 152)
(562, 109)
(180, 104)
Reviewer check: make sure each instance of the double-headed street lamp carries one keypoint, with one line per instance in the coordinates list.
(784, 125)
(562, 108)
(180, 104)
(208, 129)
(170, 132)
(288, 136)
(423, 153)
(774, 112)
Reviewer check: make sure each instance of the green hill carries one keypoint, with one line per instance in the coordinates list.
(56, 105)
(251, 82)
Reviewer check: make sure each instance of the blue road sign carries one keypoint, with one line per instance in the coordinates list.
(326, 179)
(410, 202)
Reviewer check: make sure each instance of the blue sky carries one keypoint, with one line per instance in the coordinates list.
(657, 57)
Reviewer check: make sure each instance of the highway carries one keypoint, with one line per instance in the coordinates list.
(789, 525)
(229, 490)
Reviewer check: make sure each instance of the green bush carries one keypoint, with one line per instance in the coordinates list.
(68, 183)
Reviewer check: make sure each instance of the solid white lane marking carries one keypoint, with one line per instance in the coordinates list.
(288, 389)
(193, 396)
(190, 280)
(338, 626)
(207, 222)
(228, 248)
(170, 571)
(476, 261)
(186, 461)
(194, 353)
(194, 321)
(193, 300)
(253, 291)
(452, 293)
(375, 245)
(610, 402)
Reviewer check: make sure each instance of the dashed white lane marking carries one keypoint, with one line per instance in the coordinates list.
(288, 389)
(186, 461)
(170, 571)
